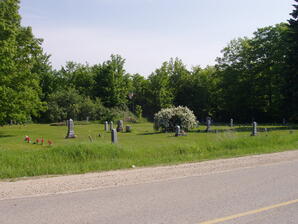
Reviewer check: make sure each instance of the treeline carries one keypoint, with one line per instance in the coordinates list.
(255, 79)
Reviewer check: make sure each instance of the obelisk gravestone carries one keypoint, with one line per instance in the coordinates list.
(70, 131)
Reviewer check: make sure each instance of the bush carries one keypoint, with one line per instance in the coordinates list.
(67, 103)
(139, 111)
(167, 119)
(119, 113)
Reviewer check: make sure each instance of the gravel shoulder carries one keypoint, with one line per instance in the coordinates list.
(75, 183)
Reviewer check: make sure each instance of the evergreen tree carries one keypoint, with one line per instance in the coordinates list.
(291, 86)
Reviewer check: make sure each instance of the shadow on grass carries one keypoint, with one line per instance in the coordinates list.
(210, 131)
(245, 129)
(233, 129)
(151, 133)
(6, 136)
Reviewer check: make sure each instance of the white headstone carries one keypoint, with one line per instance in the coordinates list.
(177, 131)
(70, 131)
(106, 126)
(254, 129)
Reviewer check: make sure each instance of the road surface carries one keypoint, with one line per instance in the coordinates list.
(266, 193)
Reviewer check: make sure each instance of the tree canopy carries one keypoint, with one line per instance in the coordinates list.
(20, 55)
(255, 78)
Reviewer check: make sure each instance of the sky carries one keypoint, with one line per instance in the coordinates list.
(146, 32)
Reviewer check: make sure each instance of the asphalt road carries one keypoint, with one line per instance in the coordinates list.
(262, 194)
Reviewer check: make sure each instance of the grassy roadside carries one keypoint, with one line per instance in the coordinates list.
(143, 147)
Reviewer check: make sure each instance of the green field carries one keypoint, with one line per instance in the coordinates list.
(142, 147)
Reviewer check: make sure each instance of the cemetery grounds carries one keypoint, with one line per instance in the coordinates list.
(142, 147)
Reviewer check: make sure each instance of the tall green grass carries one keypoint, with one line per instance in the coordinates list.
(140, 148)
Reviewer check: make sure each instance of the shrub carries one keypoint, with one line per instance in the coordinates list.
(139, 111)
(168, 118)
(119, 113)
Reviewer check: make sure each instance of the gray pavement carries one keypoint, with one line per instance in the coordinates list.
(184, 200)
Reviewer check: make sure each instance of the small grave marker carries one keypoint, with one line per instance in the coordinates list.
(128, 128)
(114, 136)
(254, 129)
(231, 122)
(106, 126)
(178, 131)
(208, 124)
(120, 126)
(70, 131)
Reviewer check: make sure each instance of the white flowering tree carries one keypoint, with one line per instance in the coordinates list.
(168, 118)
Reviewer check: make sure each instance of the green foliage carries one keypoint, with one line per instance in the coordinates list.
(111, 82)
(160, 94)
(139, 111)
(256, 65)
(78, 76)
(69, 103)
(118, 113)
(140, 89)
(290, 89)
(20, 53)
(199, 91)
(255, 78)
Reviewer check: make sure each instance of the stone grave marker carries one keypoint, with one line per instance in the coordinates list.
(106, 126)
(114, 136)
(111, 126)
(183, 133)
(208, 124)
(254, 129)
(120, 126)
(231, 122)
(70, 131)
(177, 131)
(128, 128)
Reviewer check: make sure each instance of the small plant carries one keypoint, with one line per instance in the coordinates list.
(139, 111)
(50, 142)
